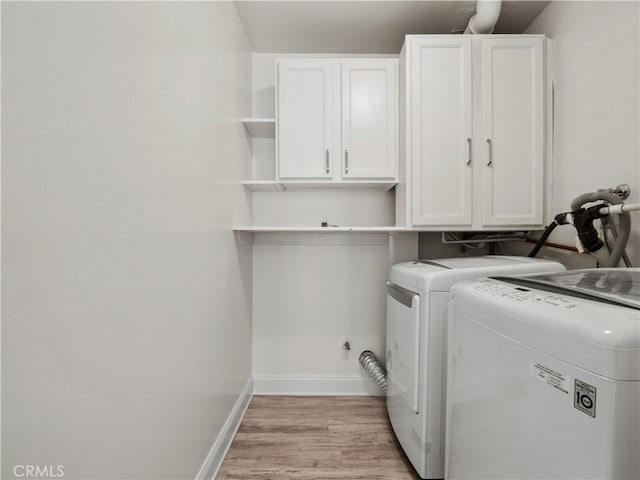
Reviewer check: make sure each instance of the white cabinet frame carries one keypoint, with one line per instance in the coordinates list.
(473, 121)
(336, 120)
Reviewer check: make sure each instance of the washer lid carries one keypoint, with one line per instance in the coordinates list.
(441, 274)
(484, 261)
(615, 286)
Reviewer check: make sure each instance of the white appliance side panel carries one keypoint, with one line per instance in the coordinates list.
(434, 382)
(407, 424)
(626, 442)
(506, 419)
(403, 348)
(421, 434)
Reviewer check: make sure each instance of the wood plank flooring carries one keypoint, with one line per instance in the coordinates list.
(316, 438)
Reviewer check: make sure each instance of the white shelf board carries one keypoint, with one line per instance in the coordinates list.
(269, 229)
(263, 186)
(270, 185)
(260, 127)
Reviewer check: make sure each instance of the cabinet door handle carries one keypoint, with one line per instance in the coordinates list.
(490, 152)
(346, 161)
(326, 159)
(469, 156)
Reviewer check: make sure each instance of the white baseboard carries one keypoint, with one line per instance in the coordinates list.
(213, 462)
(315, 385)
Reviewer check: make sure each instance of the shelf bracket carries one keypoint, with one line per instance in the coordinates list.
(243, 238)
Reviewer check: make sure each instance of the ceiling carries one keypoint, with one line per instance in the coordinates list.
(364, 26)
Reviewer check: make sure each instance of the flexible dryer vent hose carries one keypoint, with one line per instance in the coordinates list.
(374, 368)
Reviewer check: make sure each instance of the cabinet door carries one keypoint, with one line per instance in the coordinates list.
(513, 127)
(369, 118)
(305, 119)
(441, 131)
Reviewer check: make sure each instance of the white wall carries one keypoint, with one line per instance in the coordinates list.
(432, 247)
(595, 66)
(311, 294)
(126, 301)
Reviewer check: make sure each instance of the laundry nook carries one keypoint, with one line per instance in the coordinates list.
(286, 240)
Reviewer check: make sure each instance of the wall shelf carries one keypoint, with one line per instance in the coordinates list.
(263, 186)
(260, 127)
(273, 186)
(270, 229)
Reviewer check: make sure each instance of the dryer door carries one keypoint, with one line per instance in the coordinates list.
(403, 342)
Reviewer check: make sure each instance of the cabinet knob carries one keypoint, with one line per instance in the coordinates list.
(490, 152)
(469, 156)
(346, 161)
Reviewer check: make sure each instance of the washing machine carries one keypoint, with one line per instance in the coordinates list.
(417, 299)
(544, 377)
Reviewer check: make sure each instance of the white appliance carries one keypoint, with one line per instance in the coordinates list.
(417, 298)
(544, 377)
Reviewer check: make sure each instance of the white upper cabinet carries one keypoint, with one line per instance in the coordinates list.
(475, 131)
(441, 130)
(513, 131)
(336, 119)
(369, 118)
(306, 119)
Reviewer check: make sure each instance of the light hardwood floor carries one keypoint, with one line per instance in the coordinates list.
(316, 438)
